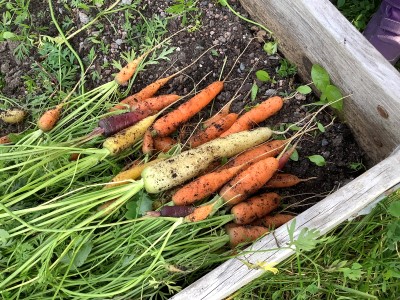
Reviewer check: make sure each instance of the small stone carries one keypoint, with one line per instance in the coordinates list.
(126, 2)
(83, 18)
(324, 143)
(5, 68)
(270, 92)
(242, 66)
(212, 32)
(3, 46)
(222, 39)
(118, 42)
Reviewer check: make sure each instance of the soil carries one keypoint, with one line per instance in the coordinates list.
(230, 35)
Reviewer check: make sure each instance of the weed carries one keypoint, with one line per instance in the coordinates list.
(358, 12)
(286, 68)
(188, 11)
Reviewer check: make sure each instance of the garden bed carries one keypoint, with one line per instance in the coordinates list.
(214, 25)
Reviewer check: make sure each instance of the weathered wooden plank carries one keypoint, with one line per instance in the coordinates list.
(324, 216)
(313, 31)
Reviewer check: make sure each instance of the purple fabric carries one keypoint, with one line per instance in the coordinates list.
(383, 30)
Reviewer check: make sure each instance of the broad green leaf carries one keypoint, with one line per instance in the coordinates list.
(83, 254)
(271, 48)
(340, 3)
(333, 94)
(295, 156)
(304, 89)
(263, 75)
(320, 77)
(144, 204)
(8, 35)
(131, 214)
(317, 159)
(320, 127)
(4, 235)
(254, 91)
(394, 209)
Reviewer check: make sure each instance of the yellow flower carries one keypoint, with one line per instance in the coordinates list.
(268, 267)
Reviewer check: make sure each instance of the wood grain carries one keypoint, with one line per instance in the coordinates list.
(314, 32)
(324, 216)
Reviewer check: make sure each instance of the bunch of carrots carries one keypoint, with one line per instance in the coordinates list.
(225, 135)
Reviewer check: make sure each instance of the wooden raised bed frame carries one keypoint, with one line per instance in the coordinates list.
(314, 32)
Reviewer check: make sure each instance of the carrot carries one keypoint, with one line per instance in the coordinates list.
(146, 93)
(256, 115)
(222, 113)
(283, 160)
(148, 144)
(49, 118)
(273, 221)
(190, 163)
(131, 173)
(74, 156)
(129, 136)
(255, 208)
(163, 144)
(203, 186)
(213, 131)
(114, 124)
(269, 149)
(171, 121)
(244, 234)
(249, 181)
(4, 140)
(126, 73)
(284, 180)
(12, 115)
(176, 211)
(155, 103)
(201, 213)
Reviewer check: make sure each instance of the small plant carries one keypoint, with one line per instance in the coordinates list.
(187, 9)
(286, 68)
(317, 159)
(357, 166)
(329, 92)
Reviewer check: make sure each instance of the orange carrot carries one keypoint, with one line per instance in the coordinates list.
(163, 144)
(244, 234)
(255, 207)
(249, 181)
(269, 149)
(126, 73)
(256, 115)
(155, 103)
(4, 140)
(273, 221)
(213, 131)
(147, 92)
(171, 121)
(49, 118)
(222, 113)
(148, 143)
(203, 186)
(284, 180)
(200, 213)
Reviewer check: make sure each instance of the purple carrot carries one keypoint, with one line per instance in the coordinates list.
(284, 157)
(176, 211)
(116, 123)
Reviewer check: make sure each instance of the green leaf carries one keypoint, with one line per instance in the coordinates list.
(340, 3)
(4, 235)
(394, 209)
(320, 77)
(83, 254)
(353, 273)
(214, 52)
(320, 127)
(254, 91)
(223, 2)
(131, 214)
(304, 89)
(307, 240)
(8, 35)
(294, 156)
(333, 94)
(263, 75)
(271, 48)
(317, 159)
(139, 205)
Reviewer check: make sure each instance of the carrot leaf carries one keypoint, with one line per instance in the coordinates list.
(138, 206)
